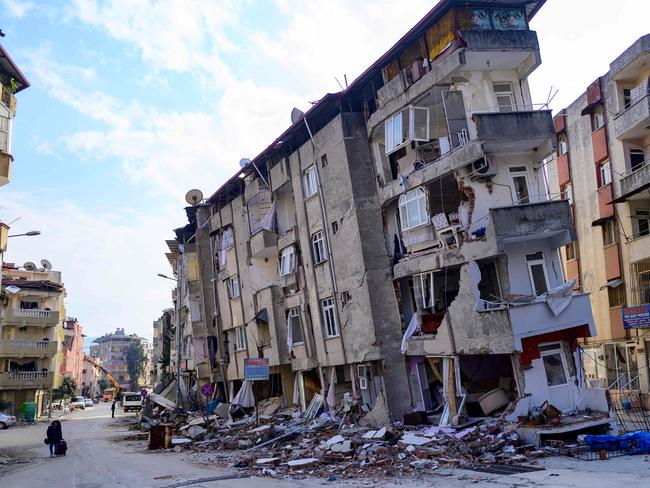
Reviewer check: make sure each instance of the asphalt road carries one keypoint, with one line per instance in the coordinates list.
(99, 456)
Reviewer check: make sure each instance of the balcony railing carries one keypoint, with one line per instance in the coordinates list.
(633, 122)
(635, 181)
(27, 348)
(27, 379)
(32, 317)
(522, 130)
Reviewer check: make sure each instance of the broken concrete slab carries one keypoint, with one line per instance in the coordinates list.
(342, 447)
(414, 440)
(378, 416)
(301, 463)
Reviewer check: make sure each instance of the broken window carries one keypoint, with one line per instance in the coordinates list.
(519, 184)
(309, 182)
(554, 368)
(328, 314)
(411, 124)
(537, 273)
(423, 284)
(505, 97)
(318, 247)
(294, 326)
(489, 286)
(288, 260)
(413, 209)
(260, 207)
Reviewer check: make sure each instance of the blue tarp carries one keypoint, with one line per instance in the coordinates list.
(632, 443)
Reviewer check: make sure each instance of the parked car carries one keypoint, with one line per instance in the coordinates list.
(88, 402)
(78, 403)
(6, 420)
(56, 405)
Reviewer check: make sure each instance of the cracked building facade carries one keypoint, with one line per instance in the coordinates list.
(398, 242)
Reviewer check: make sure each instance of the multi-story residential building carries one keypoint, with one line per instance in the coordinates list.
(601, 167)
(12, 81)
(31, 335)
(397, 241)
(90, 377)
(111, 348)
(73, 352)
(163, 335)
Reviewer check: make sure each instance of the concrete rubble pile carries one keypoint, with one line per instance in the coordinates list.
(287, 442)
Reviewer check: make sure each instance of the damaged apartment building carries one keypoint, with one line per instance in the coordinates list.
(397, 241)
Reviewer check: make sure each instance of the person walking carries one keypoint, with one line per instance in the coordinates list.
(113, 409)
(54, 436)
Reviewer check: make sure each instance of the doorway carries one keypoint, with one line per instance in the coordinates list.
(557, 376)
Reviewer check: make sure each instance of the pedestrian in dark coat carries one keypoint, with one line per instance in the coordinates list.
(113, 409)
(54, 436)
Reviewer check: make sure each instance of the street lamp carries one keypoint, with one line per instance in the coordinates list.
(178, 337)
(30, 234)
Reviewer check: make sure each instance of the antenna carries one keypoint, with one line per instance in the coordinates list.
(47, 266)
(296, 115)
(243, 162)
(29, 266)
(194, 197)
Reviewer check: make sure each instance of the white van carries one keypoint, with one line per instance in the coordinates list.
(131, 401)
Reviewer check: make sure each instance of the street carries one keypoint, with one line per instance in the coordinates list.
(99, 455)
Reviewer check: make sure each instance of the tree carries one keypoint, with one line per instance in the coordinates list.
(68, 386)
(135, 362)
(103, 384)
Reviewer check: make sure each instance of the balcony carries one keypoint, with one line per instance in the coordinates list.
(536, 318)
(31, 318)
(21, 349)
(26, 380)
(634, 122)
(533, 221)
(263, 244)
(635, 182)
(524, 131)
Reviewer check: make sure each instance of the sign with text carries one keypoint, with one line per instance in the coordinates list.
(256, 369)
(636, 317)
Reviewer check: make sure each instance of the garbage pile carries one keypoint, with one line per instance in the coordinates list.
(286, 442)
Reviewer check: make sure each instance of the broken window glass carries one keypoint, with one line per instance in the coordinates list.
(554, 367)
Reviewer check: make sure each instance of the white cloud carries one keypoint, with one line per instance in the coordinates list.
(17, 8)
(108, 260)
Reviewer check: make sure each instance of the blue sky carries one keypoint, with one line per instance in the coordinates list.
(134, 102)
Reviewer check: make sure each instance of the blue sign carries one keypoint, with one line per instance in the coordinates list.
(636, 317)
(256, 369)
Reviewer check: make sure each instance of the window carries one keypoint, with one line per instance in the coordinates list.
(616, 296)
(537, 273)
(597, 118)
(423, 284)
(25, 305)
(519, 183)
(505, 97)
(610, 233)
(637, 158)
(562, 144)
(295, 327)
(641, 224)
(641, 276)
(227, 239)
(328, 313)
(489, 286)
(233, 287)
(240, 338)
(570, 250)
(411, 124)
(309, 182)
(318, 247)
(413, 209)
(554, 368)
(287, 261)
(260, 211)
(323, 160)
(627, 98)
(567, 193)
(335, 227)
(604, 174)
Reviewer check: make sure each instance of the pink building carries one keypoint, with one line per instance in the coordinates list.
(72, 364)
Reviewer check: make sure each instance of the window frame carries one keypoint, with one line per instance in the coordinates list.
(240, 339)
(645, 217)
(510, 94)
(396, 125)
(288, 253)
(616, 296)
(567, 192)
(328, 315)
(570, 256)
(562, 144)
(418, 194)
(597, 115)
(636, 151)
(604, 173)
(294, 313)
(318, 247)
(610, 233)
(530, 263)
(426, 279)
(230, 285)
(515, 172)
(310, 181)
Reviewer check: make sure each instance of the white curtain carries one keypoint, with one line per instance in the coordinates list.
(331, 395)
(414, 325)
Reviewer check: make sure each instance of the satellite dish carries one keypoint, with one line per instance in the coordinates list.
(244, 161)
(296, 115)
(194, 197)
(47, 266)
(29, 266)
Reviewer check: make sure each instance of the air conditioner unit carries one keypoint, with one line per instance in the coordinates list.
(482, 168)
(363, 383)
